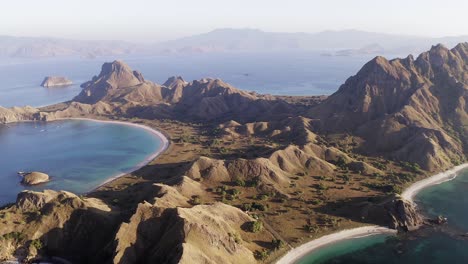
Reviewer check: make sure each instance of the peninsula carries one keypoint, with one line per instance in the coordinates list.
(248, 176)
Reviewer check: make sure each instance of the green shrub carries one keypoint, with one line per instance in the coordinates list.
(37, 244)
(196, 200)
(322, 186)
(240, 182)
(17, 236)
(277, 243)
(311, 228)
(261, 255)
(246, 207)
(255, 226)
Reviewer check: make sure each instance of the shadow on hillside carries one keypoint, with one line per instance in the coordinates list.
(86, 237)
(158, 239)
(130, 190)
(367, 210)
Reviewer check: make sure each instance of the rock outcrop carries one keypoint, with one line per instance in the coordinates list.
(51, 81)
(394, 212)
(34, 178)
(403, 215)
(107, 85)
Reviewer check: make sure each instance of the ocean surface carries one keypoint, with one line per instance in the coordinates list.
(78, 155)
(274, 73)
(442, 244)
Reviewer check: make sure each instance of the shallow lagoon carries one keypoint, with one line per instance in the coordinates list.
(79, 155)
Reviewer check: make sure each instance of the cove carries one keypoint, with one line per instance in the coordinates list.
(440, 244)
(79, 155)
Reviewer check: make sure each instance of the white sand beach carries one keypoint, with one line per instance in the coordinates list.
(439, 178)
(297, 253)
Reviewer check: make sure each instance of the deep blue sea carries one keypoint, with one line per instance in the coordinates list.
(78, 155)
(274, 73)
(442, 244)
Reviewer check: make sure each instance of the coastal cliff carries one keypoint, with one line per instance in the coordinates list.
(17, 114)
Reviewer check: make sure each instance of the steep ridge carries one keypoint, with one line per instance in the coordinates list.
(406, 109)
(169, 231)
(61, 220)
(215, 99)
(118, 82)
(296, 130)
(205, 99)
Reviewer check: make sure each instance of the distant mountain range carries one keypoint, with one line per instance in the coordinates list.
(38, 47)
(341, 43)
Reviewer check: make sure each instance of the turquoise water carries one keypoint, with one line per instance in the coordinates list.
(78, 155)
(344, 247)
(441, 244)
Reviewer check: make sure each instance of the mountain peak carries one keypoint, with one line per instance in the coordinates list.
(438, 47)
(114, 75)
(174, 81)
(395, 103)
(115, 66)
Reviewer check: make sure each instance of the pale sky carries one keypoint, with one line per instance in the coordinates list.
(154, 20)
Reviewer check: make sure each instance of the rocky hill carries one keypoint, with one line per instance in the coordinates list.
(205, 99)
(406, 109)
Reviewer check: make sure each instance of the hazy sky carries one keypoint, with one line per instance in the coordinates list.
(158, 20)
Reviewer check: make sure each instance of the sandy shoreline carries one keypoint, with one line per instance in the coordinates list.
(297, 253)
(158, 134)
(439, 178)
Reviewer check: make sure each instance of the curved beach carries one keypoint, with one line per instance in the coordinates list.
(297, 253)
(409, 193)
(158, 134)
(416, 187)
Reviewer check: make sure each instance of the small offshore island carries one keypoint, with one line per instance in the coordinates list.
(247, 177)
(54, 81)
(33, 178)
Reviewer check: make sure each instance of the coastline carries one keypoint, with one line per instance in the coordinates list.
(164, 146)
(409, 193)
(299, 252)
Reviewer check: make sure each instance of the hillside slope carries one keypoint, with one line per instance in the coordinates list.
(407, 109)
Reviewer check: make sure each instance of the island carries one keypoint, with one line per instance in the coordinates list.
(52, 81)
(249, 176)
(33, 178)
